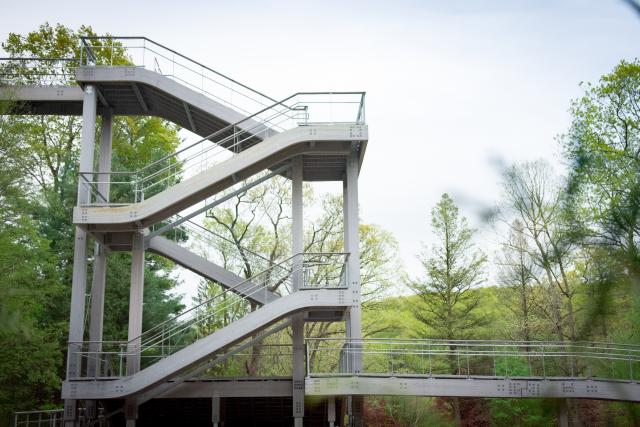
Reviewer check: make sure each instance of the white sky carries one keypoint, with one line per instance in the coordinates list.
(454, 88)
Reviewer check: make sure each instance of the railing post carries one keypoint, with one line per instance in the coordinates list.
(308, 361)
(495, 367)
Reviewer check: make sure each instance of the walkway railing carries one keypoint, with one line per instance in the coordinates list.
(416, 357)
(37, 71)
(216, 312)
(145, 53)
(300, 109)
(50, 418)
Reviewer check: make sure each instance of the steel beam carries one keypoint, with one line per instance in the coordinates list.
(99, 252)
(498, 387)
(136, 296)
(99, 262)
(355, 404)
(141, 101)
(79, 278)
(231, 387)
(187, 111)
(331, 411)
(209, 270)
(215, 409)
(297, 320)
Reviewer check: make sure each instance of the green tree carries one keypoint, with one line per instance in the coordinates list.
(37, 195)
(602, 147)
(449, 307)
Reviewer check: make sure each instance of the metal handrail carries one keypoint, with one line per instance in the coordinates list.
(414, 356)
(165, 335)
(209, 237)
(237, 129)
(244, 282)
(146, 39)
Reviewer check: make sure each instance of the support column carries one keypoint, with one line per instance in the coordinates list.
(353, 319)
(99, 263)
(563, 413)
(215, 410)
(297, 320)
(331, 411)
(136, 294)
(79, 278)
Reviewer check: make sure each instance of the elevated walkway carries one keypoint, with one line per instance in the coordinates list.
(436, 386)
(467, 368)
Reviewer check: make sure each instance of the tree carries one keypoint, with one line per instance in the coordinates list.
(518, 275)
(256, 225)
(602, 148)
(532, 195)
(37, 195)
(449, 307)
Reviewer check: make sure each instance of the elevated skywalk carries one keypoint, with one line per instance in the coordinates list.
(467, 368)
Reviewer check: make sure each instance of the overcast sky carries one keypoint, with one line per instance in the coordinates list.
(454, 88)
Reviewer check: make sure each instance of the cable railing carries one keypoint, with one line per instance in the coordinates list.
(465, 358)
(300, 109)
(145, 53)
(212, 314)
(219, 249)
(37, 71)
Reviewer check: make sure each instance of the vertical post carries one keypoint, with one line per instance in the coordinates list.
(79, 278)
(352, 246)
(331, 411)
(563, 413)
(297, 320)
(215, 409)
(136, 294)
(99, 263)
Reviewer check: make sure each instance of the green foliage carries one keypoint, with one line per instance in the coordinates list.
(38, 189)
(448, 305)
(522, 412)
(603, 151)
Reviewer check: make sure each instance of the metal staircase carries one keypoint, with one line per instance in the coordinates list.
(247, 137)
(190, 338)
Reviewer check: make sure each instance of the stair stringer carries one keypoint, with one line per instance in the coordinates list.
(180, 92)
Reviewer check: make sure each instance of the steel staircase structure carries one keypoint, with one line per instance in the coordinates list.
(305, 137)
(246, 139)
